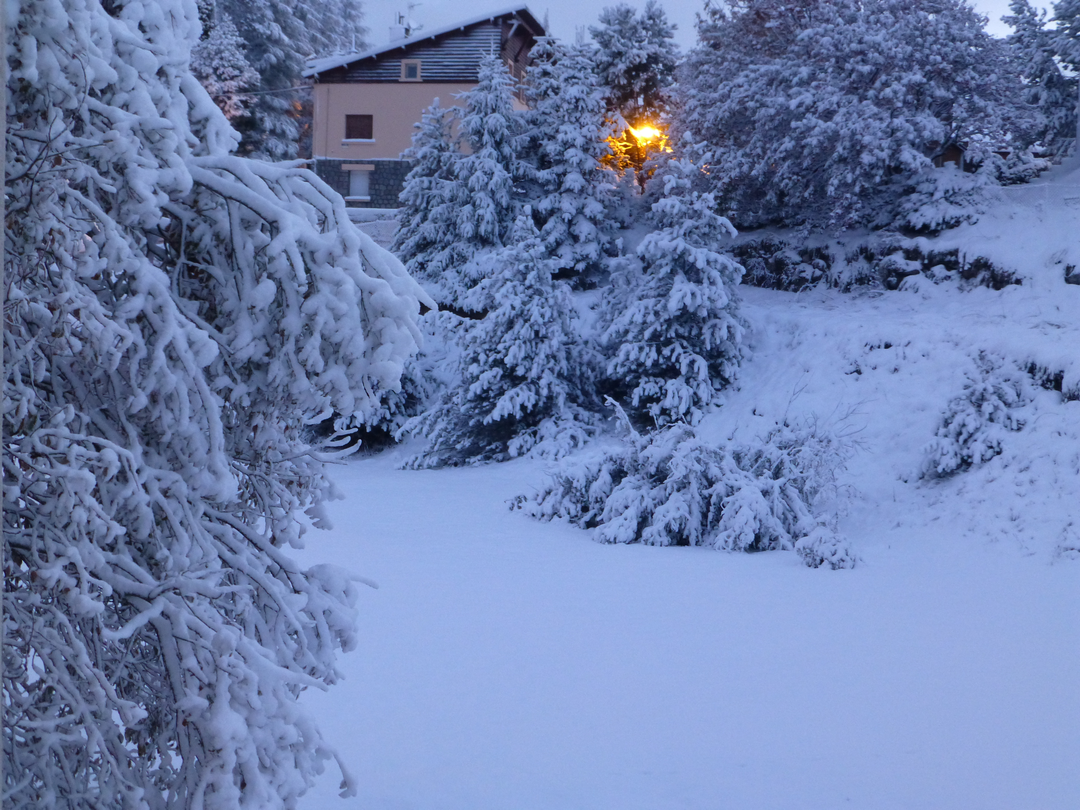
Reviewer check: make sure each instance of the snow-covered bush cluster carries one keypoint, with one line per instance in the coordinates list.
(670, 488)
(976, 422)
(175, 316)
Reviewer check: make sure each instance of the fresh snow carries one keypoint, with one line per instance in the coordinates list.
(506, 664)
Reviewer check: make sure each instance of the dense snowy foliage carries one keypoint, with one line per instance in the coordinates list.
(175, 316)
(565, 147)
(427, 225)
(635, 58)
(819, 112)
(276, 37)
(975, 423)
(523, 370)
(1067, 31)
(672, 325)
(670, 488)
(219, 63)
(1045, 85)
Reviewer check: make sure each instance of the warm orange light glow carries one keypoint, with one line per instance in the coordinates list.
(646, 133)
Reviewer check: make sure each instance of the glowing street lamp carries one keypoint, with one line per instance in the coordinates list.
(646, 134)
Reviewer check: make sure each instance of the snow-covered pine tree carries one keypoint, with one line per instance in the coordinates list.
(279, 35)
(820, 112)
(174, 316)
(483, 187)
(1067, 44)
(975, 422)
(428, 214)
(468, 206)
(1046, 87)
(636, 57)
(565, 148)
(523, 377)
(674, 334)
(219, 63)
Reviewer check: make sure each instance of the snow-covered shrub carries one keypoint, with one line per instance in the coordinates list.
(670, 488)
(523, 372)
(673, 329)
(943, 198)
(175, 316)
(976, 422)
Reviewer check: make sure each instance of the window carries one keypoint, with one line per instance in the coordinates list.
(359, 128)
(360, 184)
(410, 70)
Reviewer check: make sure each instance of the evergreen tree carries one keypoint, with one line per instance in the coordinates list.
(1045, 86)
(476, 206)
(175, 314)
(219, 64)
(565, 146)
(522, 369)
(278, 36)
(674, 328)
(636, 58)
(428, 214)
(811, 111)
(1067, 44)
(485, 176)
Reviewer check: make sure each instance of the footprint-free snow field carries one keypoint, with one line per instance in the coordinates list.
(505, 664)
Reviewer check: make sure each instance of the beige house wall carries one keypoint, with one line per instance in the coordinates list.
(393, 106)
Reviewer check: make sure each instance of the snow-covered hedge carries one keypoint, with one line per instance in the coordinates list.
(671, 488)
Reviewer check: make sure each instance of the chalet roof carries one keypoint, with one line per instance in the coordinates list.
(317, 66)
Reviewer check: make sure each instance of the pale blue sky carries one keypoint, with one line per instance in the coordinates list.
(567, 15)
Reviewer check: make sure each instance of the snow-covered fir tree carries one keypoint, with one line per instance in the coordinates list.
(474, 209)
(1046, 87)
(219, 63)
(523, 372)
(674, 334)
(636, 57)
(564, 148)
(1067, 45)
(976, 422)
(484, 178)
(278, 36)
(175, 315)
(428, 213)
(819, 112)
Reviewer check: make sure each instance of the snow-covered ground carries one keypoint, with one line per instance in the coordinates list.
(506, 664)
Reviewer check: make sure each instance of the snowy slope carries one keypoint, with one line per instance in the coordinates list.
(506, 664)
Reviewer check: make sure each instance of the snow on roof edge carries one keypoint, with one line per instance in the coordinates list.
(316, 66)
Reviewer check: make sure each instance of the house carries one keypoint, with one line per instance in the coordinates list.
(367, 103)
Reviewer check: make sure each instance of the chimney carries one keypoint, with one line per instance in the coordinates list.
(400, 29)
